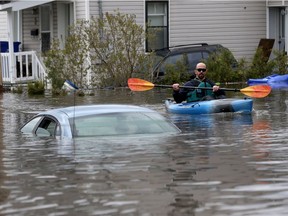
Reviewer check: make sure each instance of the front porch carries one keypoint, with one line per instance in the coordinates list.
(26, 67)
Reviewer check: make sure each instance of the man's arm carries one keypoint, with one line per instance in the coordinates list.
(216, 89)
(180, 95)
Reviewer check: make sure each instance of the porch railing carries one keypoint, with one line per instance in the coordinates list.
(27, 68)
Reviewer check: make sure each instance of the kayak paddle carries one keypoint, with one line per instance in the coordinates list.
(257, 91)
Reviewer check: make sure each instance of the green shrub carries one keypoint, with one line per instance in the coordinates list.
(54, 61)
(36, 88)
(145, 67)
(110, 48)
(280, 62)
(242, 74)
(17, 89)
(175, 73)
(116, 45)
(260, 65)
(220, 67)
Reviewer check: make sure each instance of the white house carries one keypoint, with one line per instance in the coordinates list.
(236, 24)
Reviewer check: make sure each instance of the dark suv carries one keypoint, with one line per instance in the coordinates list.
(190, 53)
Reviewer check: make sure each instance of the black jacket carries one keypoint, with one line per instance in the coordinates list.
(181, 95)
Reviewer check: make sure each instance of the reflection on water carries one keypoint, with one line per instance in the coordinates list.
(4, 193)
(223, 164)
(193, 122)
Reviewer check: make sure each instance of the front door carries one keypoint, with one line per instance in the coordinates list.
(65, 18)
(277, 17)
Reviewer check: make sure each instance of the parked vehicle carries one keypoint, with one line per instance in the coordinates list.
(98, 120)
(189, 54)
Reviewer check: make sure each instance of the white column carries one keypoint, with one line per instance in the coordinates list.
(12, 65)
(267, 22)
(286, 29)
(87, 9)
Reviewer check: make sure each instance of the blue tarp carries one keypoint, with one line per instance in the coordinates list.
(274, 80)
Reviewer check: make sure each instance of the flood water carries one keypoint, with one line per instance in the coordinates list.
(222, 164)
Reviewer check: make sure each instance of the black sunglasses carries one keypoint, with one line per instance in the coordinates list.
(201, 69)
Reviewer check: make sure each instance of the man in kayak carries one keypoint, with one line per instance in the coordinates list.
(190, 95)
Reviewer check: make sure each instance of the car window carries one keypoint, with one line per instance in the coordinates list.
(47, 127)
(195, 57)
(27, 128)
(41, 132)
(205, 55)
(172, 60)
(120, 124)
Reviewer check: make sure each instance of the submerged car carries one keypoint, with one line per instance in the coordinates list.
(98, 120)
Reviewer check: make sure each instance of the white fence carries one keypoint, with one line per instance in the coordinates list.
(27, 68)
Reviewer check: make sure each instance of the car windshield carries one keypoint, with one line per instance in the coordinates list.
(121, 124)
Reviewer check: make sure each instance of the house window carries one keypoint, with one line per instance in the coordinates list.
(157, 24)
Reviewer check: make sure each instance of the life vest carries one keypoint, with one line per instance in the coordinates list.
(198, 94)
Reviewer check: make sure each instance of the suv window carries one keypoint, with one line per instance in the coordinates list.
(173, 59)
(196, 57)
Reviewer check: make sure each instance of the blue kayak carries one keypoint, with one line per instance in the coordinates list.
(211, 106)
(274, 80)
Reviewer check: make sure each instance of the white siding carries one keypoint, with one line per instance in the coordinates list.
(80, 10)
(238, 25)
(3, 26)
(94, 9)
(136, 7)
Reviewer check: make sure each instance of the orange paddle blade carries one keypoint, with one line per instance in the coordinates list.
(136, 84)
(257, 91)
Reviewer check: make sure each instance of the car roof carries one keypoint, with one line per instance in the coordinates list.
(187, 47)
(84, 110)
